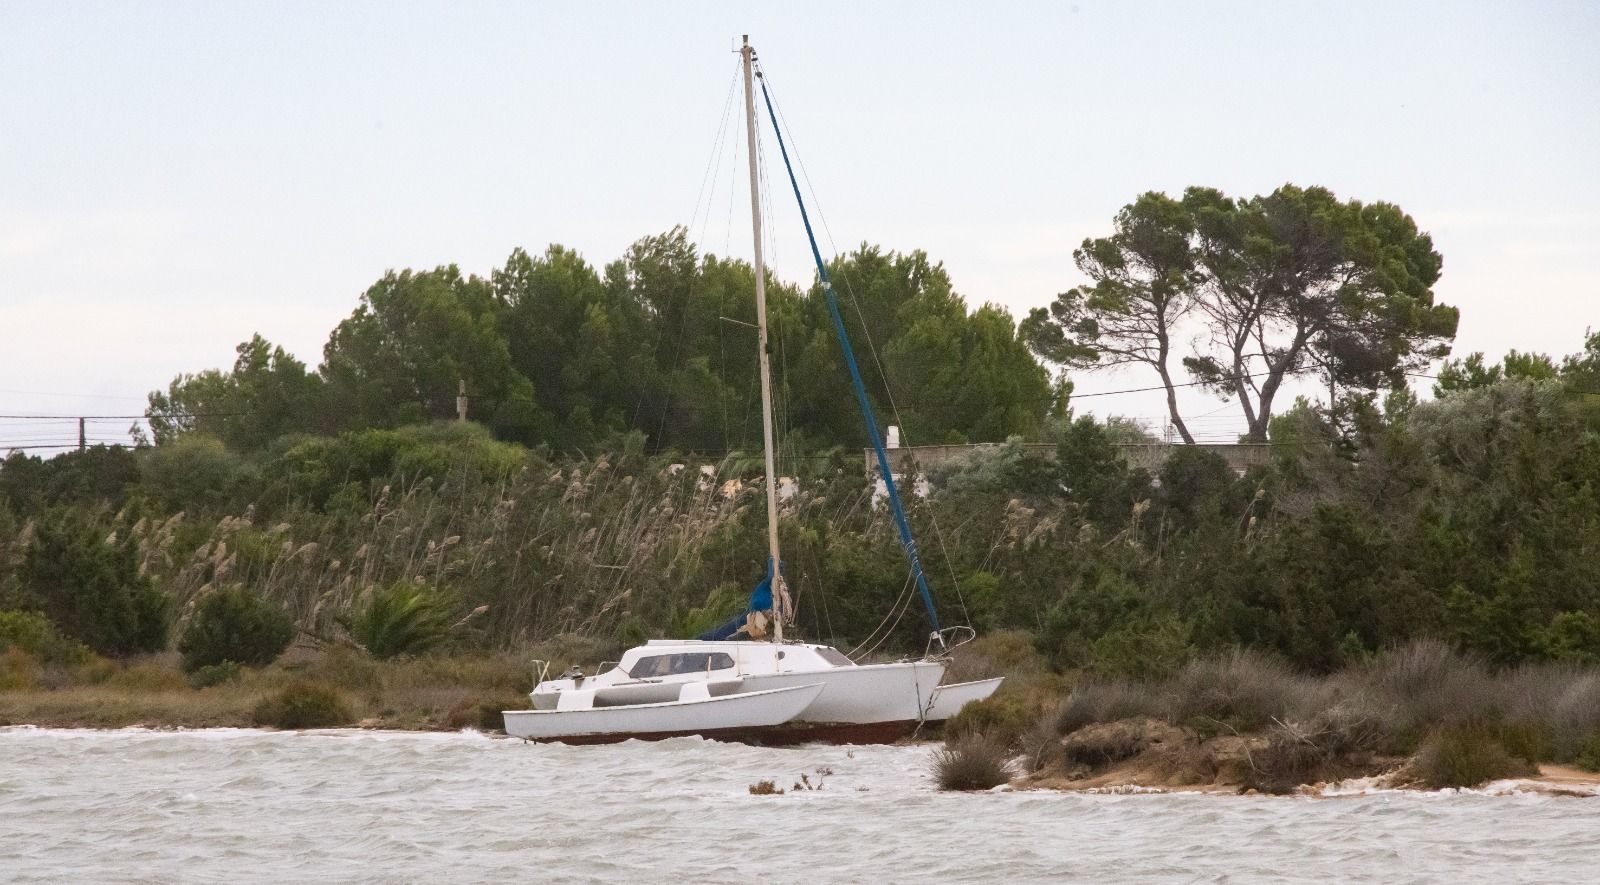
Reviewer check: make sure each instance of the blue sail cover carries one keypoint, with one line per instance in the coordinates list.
(760, 601)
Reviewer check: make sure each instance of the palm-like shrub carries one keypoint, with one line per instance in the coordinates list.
(402, 619)
(234, 625)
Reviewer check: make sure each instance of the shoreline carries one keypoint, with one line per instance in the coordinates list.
(1128, 778)
(1551, 780)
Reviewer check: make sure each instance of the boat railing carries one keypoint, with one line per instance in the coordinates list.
(942, 642)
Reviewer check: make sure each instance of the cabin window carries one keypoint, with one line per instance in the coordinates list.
(656, 666)
(835, 657)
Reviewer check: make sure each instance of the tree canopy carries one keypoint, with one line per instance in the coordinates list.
(1295, 283)
(661, 342)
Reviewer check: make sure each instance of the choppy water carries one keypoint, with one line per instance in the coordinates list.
(227, 805)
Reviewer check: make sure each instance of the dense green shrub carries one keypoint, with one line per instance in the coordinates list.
(303, 705)
(238, 626)
(194, 472)
(87, 580)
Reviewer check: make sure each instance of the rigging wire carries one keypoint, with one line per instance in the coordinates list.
(866, 332)
(717, 143)
(901, 603)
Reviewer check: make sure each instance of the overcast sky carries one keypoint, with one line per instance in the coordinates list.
(175, 177)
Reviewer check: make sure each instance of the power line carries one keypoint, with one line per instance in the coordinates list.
(167, 415)
(71, 395)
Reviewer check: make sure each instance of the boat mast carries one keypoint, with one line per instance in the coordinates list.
(747, 53)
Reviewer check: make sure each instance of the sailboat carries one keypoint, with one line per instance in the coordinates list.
(771, 691)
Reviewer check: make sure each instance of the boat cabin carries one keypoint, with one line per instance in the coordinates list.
(661, 658)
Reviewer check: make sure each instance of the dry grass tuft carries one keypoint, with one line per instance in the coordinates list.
(973, 762)
(1104, 701)
(1242, 688)
(1426, 682)
(148, 676)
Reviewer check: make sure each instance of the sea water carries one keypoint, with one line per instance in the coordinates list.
(355, 806)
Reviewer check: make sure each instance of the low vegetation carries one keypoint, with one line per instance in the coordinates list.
(1468, 755)
(1423, 713)
(437, 693)
(303, 705)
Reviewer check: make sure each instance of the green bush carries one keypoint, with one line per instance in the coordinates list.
(402, 619)
(233, 625)
(34, 634)
(1003, 717)
(1467, 756)
(1142, 648)
(88, 583)
(215, 674)
(303, 705)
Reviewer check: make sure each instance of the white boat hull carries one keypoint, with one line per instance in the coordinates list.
(949, 699)
(730, 716)
(858, 703)
(867, 694)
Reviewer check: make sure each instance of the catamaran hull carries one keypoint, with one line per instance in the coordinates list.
(707, 716)
(870, 694)
(949, 699)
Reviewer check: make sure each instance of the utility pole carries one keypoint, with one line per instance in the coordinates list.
(82, 437)
(461, 401)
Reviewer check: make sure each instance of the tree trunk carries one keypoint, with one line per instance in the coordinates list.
(1172, 405)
